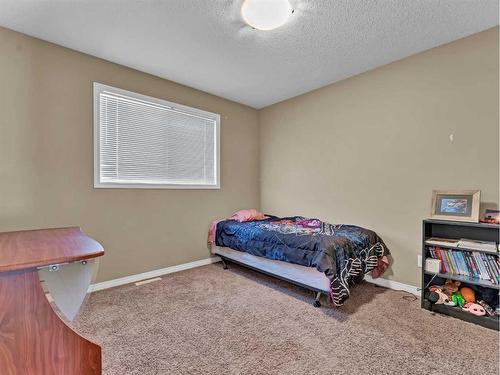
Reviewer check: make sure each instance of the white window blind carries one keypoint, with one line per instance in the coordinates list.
(144, 142)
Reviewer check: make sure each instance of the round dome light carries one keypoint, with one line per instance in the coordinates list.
(266, 14)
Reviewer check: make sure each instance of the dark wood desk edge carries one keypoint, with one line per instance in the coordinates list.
(94, 253)
(44, 229)
(25, 266)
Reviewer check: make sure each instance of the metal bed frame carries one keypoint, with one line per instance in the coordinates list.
(317, 292)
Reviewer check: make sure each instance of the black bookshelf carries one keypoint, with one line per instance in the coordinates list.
(457, 230)
(466, 280)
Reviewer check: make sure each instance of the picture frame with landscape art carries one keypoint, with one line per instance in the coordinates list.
(456, 205)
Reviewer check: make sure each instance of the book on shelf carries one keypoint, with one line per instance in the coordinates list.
(441, 241)
(492, 267)
(470, 264)
(478, 245)
(483, 273)
(464, 243)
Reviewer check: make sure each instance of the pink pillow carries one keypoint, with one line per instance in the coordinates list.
(248, 215)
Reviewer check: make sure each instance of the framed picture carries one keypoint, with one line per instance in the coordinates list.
(456, 205)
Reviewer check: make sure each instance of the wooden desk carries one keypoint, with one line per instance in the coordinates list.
(33, 339)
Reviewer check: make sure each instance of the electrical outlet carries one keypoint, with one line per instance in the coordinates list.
(419, 261)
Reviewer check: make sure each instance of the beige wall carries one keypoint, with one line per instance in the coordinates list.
(370, 149)
(367, 150)
(46, 160)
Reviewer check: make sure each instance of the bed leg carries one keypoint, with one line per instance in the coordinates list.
(316, 302)
(224, 264)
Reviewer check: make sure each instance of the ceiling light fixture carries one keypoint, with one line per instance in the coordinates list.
(266, 14)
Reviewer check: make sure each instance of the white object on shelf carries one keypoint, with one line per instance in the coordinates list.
(432, 265)
(441, 242)
(478, 245)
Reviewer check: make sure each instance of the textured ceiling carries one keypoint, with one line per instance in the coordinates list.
(206, 45)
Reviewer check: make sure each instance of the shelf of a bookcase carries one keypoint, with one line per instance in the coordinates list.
(463, 223)
(456, 312)
(465, 279)
(495, 253)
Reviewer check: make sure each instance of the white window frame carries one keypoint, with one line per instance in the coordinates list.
(98, 88)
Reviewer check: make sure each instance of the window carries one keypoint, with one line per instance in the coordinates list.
(143, 142)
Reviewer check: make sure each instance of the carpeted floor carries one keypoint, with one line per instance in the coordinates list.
(210, 321)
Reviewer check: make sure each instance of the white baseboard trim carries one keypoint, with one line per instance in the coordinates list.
(395, 285)
(390, 284)
(151, 274)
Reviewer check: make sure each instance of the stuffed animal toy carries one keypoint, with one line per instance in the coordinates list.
(451, 287)
(449, 302)
(468, 294)
(475, 309)
(437, 296)
(458, 299)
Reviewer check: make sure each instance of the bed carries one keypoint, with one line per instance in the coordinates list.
(322, 257)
